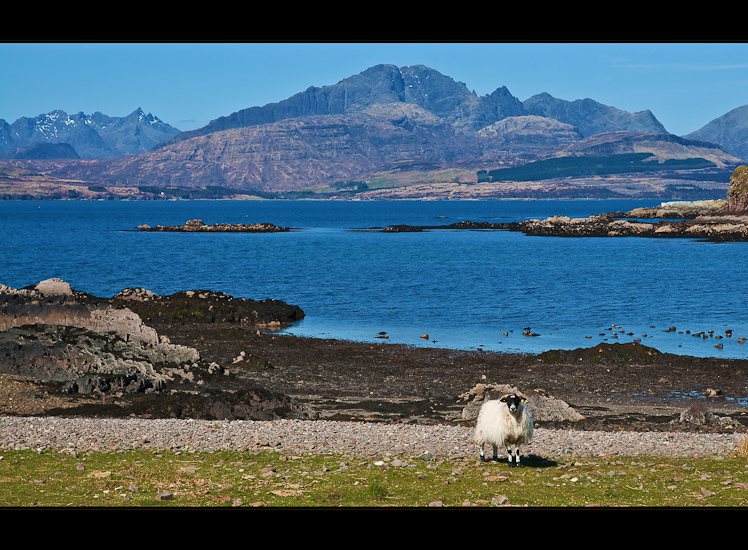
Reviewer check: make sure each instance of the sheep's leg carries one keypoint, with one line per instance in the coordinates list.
(482, 455)
(513, 455)
(517, 456)
(496, 453)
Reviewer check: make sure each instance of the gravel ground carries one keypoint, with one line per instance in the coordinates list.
(349, 438)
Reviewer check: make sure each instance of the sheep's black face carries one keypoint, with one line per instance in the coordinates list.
(512, 401)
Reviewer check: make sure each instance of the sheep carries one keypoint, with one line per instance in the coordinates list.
(506, 422)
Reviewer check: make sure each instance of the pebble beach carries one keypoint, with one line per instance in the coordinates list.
(332, 437)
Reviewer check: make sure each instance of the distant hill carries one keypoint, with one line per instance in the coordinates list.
(591, 117)
(41, 150)
(91, 136)
(730, 131)
(409, 124)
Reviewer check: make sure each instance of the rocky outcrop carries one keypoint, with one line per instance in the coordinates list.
(54, 302)
(698, 415)
(737, 193)
(86, 345)
(87, 362)
(684, 210)
(690, 223)
(50, 332)
(470, 225)
(712, 228)
(207, 307)
(198, 226)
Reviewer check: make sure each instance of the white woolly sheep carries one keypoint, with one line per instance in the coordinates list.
(504, 422)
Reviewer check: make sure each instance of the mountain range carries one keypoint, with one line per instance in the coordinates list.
(88, 136)
(387, 127)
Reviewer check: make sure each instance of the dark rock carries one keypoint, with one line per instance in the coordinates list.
(88, 361)
(206, 307)
(469, 225)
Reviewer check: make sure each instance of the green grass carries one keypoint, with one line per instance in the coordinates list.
(224, 479)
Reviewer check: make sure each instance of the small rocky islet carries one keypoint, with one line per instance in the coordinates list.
(198, 226)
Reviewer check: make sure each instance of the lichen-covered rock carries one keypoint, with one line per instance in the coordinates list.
(737, 193)
(88, 361)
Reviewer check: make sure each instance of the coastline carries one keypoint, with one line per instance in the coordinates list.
(337, 397)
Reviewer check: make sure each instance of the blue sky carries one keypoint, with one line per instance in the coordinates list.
(685, 85)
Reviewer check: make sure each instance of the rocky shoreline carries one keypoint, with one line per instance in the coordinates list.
(206, 355)
(702, 220)
(94, 355)
(201, 370)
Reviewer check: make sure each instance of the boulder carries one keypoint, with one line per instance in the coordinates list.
(544, 408)
(54, 302)
(698, 415)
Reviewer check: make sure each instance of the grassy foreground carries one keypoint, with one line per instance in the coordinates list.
(269, 479)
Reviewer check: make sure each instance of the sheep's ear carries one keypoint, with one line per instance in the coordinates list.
(522, 399)
(503, 399)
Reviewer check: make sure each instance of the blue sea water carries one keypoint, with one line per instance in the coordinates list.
(465, 289)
